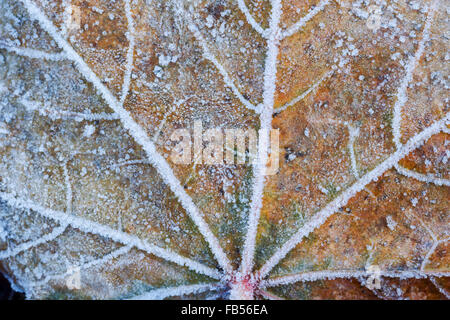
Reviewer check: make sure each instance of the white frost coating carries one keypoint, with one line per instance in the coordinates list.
(30, 244)
(3, 129)
(428, 178)
(106, 258)
(130, 52)
(209, 56)
(88, 131)
(159, 294)
(138, 133)
(34, 54)
(353, 133)
(402, 97)
(340, 201)
(67, 5)
(259, 167)
(54, 114)
(348, 274)
(128, 163)
(298, 25)
(241, 291)
(176, 104)
(107, 232)
(411, 215)
(3, 233)
(69, 194)
(306, 93)
(250, 19)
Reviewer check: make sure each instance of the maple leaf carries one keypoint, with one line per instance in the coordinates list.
(92, 206)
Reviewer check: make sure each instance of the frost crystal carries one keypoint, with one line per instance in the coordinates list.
(92, 206)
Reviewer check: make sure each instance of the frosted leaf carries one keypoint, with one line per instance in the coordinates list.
(92, 206)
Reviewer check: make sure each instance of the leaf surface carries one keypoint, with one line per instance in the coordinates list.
(91, 92)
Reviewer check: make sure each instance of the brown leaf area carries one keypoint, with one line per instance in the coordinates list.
(353, 290)
(91, 92)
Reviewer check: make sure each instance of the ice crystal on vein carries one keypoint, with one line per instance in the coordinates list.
(244, 282)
